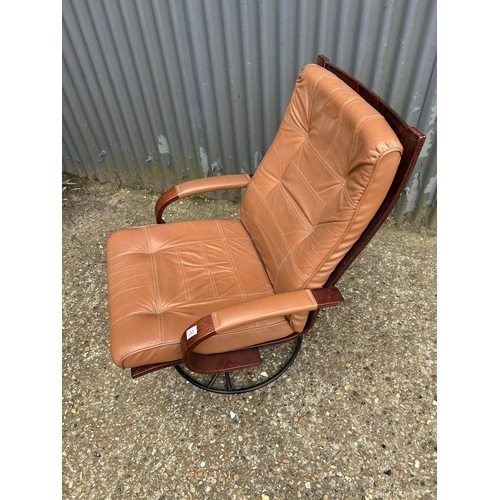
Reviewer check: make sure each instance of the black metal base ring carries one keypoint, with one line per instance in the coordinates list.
(239, 390)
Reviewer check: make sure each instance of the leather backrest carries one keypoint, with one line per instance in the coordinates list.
(320, 183)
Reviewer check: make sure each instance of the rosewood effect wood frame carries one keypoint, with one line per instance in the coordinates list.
(412, 141)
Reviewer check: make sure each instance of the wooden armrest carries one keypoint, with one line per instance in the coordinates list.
(244, 313)
(198, 186)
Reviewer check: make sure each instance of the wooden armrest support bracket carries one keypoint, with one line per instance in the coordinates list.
(327, 297)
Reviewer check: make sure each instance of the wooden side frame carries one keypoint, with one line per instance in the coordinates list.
(411, 139)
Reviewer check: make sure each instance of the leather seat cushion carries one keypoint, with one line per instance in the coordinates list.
(163, 278)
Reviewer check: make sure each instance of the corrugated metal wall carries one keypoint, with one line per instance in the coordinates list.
(156, 92)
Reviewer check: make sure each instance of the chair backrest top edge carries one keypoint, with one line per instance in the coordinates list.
(397, 123)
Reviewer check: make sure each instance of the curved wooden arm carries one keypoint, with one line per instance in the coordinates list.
(163, 202)
(198, 186)
(242, 314)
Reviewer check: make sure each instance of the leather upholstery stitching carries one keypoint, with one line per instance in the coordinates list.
(183, 274)
(270, 214)
(156, 285)
(288, 120)
(325, 75)
(277, 151)
(228, 252)
(349, 200)
(356, 132)
(251, 216)
(340, 179)
(289, 258)
(307, 183)
(208, 267)
(269, 238)
(294, 206)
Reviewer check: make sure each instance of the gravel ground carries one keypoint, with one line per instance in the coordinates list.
(353, 418)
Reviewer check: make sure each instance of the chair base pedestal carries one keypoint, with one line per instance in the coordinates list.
(212, 383)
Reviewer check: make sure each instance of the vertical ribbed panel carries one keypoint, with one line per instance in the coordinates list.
(156, 92)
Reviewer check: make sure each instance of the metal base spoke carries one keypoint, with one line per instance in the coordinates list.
(242, 380)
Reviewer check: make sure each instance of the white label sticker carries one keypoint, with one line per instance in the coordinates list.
(191, 332)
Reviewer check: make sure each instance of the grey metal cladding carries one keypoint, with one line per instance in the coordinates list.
(157, 92)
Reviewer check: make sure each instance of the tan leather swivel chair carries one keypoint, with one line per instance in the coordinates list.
(206, 296)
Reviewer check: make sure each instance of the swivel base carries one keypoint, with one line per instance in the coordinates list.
(276, 359)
